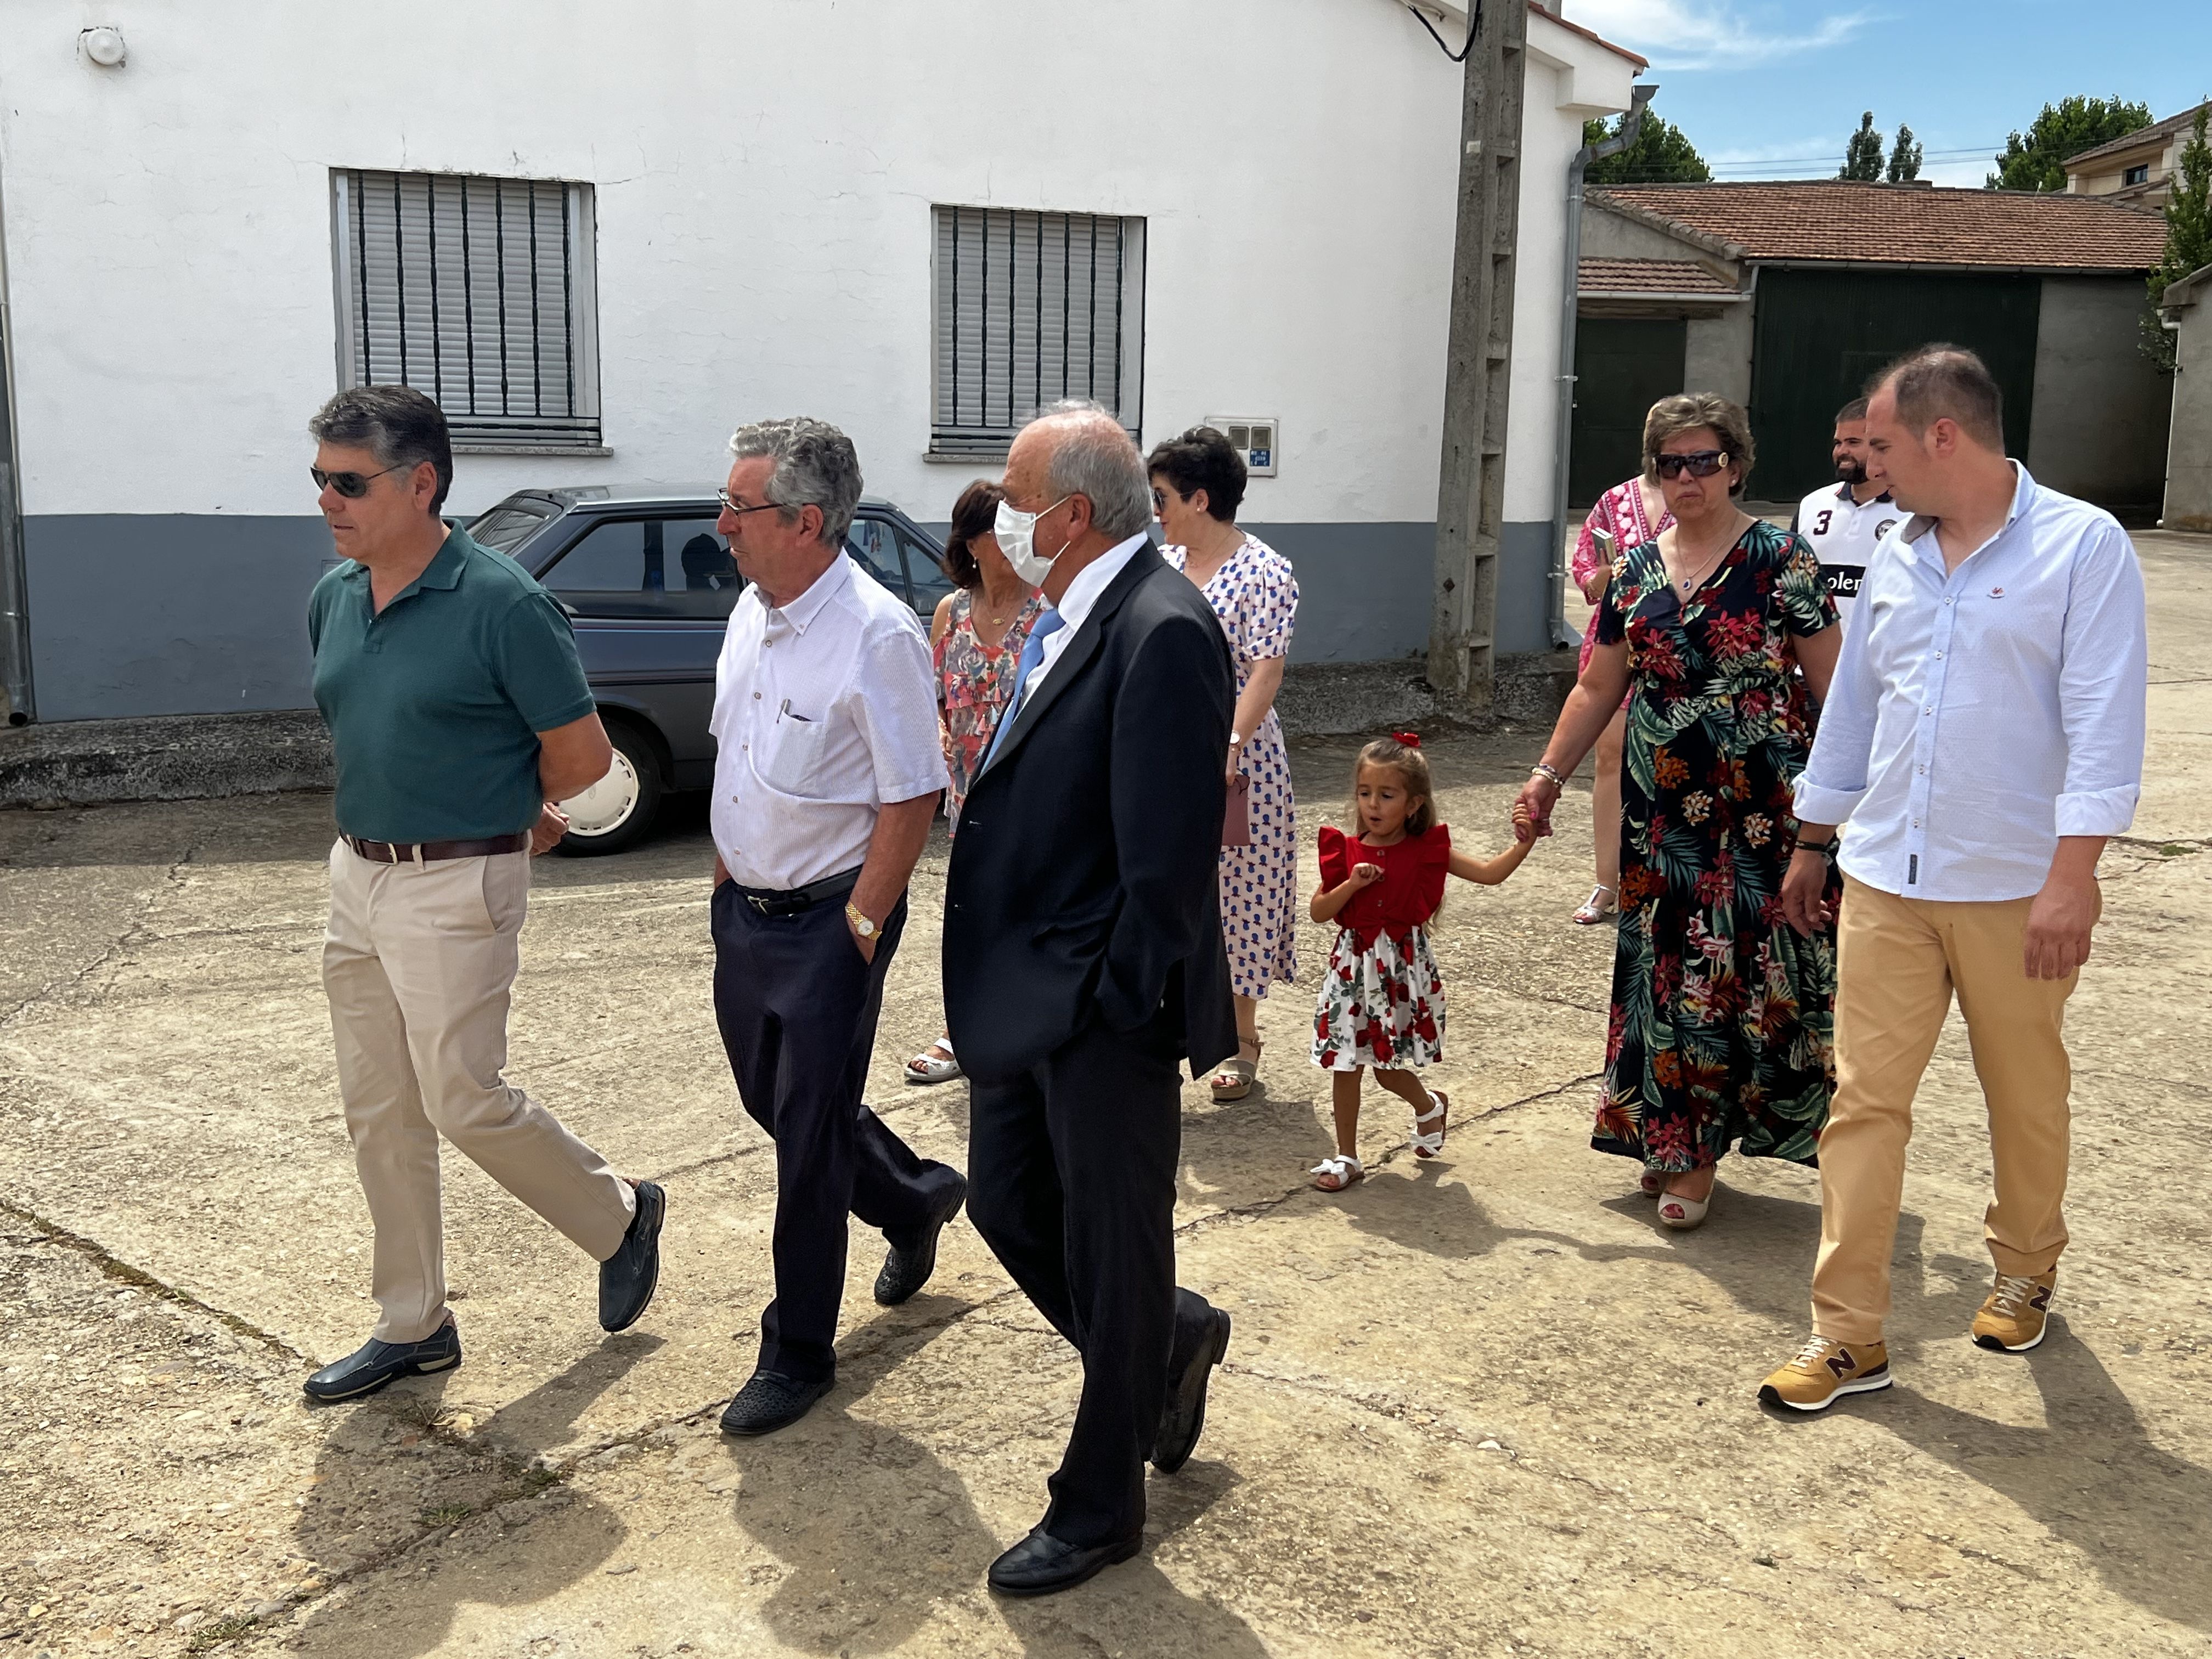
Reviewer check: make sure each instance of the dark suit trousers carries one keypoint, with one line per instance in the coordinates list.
(1071, 1171)
(796, 1008)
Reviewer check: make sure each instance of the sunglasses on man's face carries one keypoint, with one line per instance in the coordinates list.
(351, 485)
(1698, 463)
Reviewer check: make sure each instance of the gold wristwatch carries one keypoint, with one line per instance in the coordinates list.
(859, 918)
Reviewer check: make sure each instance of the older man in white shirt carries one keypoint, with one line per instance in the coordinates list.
(1984, 737)
(826, 779)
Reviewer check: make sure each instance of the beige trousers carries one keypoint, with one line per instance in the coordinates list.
(418, 964)
(1898, 962)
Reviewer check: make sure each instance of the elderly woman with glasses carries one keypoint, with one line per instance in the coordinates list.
(1721, 1029)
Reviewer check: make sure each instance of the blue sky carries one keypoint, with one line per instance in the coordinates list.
(1772, 88)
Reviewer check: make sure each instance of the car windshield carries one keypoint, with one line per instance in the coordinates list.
(507, 525)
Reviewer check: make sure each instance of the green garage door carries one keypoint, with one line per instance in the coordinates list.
(1623, 365)
(1821, 333)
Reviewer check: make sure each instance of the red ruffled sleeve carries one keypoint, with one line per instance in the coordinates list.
(1430, 868)
(1335, 867)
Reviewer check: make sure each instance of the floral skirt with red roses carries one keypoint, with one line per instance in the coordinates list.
(1381, 1007)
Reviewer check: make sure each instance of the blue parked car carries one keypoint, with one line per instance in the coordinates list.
(649, 585)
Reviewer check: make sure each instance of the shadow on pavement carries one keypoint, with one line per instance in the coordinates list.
(875, 1530)
(391, 1473)
(2091, 1475)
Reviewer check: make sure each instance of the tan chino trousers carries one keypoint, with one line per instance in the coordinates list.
(1900, 960)
(418, 964)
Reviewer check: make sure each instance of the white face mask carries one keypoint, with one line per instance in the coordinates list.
(1017, 534)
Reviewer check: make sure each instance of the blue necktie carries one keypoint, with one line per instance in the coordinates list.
(1048, 622)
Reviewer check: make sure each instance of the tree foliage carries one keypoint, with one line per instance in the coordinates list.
(1659, 155)
(1905, 155)
(1863, 157)
(2188, 232)
(2037, 160)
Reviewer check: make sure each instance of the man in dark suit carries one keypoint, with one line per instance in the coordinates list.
(1082, 958)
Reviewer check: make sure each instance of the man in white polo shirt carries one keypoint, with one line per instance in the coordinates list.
(1844, 520)
(826, 779)
(1982, 740)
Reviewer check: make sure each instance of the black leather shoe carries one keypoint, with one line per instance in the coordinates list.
(906, 1271)
(769, 1401)
(628, 1278)
(374, 1364)
(1041, 1564)
(1198, 1349)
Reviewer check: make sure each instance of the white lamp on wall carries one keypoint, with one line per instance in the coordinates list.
(103, 46)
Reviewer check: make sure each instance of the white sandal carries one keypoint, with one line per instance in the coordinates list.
(926, 1067)
(1428, 1144)
(1595, 910)
(1651, 1183)
(1342, 1167)
(1682, 1214)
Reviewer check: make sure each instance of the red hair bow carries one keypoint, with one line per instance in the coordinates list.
(1406, 740)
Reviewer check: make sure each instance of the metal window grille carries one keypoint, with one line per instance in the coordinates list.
(1031, 308)
(477, 291)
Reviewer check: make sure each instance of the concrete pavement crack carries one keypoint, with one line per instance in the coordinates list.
(130, 936)
(115, 1267)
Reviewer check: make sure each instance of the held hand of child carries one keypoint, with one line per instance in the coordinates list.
(1366, 875)
(1523, 823)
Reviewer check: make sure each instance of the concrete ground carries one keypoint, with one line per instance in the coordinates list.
(1481, 1407)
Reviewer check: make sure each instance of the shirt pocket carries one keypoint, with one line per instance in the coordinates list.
(795, 748)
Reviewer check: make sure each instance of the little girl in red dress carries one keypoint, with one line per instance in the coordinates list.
(1382, 1001)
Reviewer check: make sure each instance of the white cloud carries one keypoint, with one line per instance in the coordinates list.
(1702, 35)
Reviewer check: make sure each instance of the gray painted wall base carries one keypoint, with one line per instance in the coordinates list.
(139, 614)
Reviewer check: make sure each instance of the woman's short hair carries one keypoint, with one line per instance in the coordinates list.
(1202, 458)
(1686, 411)
(973, 515)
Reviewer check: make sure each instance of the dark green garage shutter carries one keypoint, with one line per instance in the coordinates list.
(1821, 333)
(1623, 365)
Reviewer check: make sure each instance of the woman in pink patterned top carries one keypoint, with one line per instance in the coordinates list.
(976, 640)
(1629, 514)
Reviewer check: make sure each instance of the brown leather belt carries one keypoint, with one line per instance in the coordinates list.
(430, 851)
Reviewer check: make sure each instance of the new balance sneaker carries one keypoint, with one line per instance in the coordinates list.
(2017, 1315)
(1823, 1372)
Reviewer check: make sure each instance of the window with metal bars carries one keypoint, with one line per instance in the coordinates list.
(1031, 308)
(477, 291)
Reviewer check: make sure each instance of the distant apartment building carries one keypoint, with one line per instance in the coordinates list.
(2137, 169)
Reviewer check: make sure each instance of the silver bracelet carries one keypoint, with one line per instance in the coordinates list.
(1545, 770)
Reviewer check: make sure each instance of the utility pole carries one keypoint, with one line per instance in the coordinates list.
(1471, 487)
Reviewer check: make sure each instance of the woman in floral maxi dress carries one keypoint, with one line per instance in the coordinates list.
(1721, 1027)
(1198, 482)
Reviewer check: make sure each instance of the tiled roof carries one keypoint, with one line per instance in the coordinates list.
(1895, 224)
(1641, 62)
(2156, 130)
(1647, 276)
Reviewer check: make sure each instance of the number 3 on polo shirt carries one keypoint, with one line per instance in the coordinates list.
(794, 752)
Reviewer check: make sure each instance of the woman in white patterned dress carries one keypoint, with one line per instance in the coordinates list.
(1197, 482)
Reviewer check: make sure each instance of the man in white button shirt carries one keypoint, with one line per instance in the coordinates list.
(826, 779)
(1983, 738)
(1844, 520)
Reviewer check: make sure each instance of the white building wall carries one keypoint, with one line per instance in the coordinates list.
(763, 175)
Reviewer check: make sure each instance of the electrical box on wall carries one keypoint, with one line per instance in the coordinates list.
(1253, 436)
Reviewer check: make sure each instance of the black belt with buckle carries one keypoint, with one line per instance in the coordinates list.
(431, 852)
(770, 902)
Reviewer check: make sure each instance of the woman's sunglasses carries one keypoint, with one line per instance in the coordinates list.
(351, 485)
(1699, 464)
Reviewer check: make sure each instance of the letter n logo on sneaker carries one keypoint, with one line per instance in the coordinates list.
(2041, 1299)
(1841, 1365)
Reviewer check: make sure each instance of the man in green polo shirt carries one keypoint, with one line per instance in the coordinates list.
(458, 714)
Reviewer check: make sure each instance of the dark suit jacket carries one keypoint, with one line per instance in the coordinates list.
(1083, 876)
